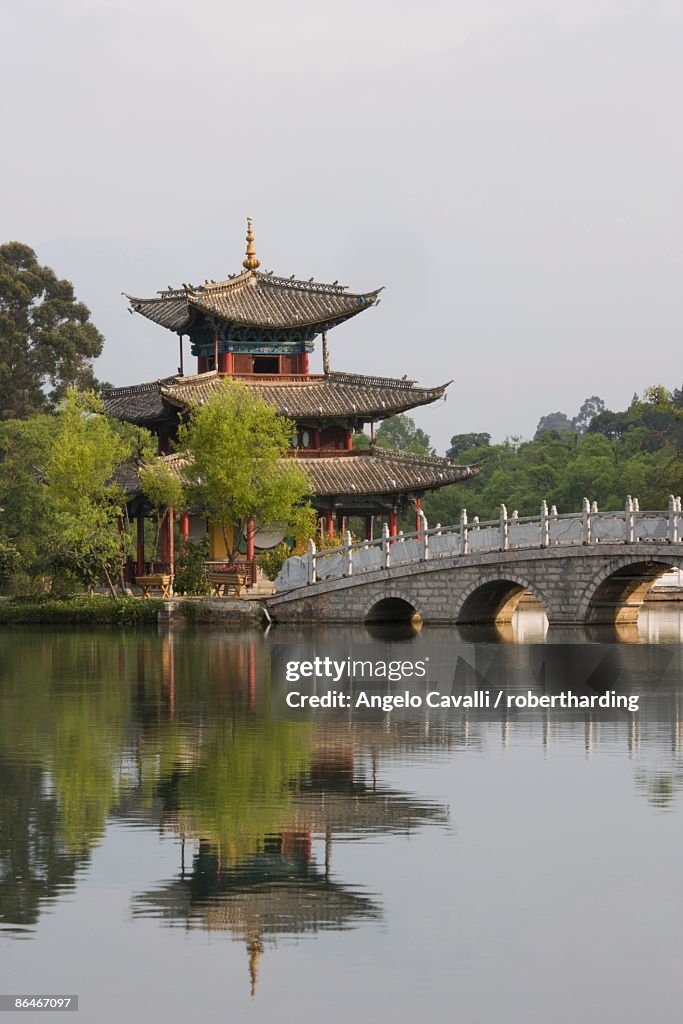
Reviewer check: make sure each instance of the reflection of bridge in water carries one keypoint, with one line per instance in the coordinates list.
(590, 567)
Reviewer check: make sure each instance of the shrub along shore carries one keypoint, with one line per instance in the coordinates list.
(96, 611)
(129, 611)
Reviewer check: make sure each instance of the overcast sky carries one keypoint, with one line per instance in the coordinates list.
(510, 170)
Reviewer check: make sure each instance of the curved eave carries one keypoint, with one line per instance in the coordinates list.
(387, 473)
(138, 404)
(379, 472)
(172, 313)
(334, 397)
(328, 321)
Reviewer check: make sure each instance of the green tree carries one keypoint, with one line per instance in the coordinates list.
(238, 469)
(47, 341)
(637, 451)
(465, 442)
(553, 422)
(87, 505)
(24, 447)
(164, 490)
(401, 433)
(591, 408)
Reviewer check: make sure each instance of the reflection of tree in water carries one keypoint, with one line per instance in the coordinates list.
(36, 864)
(659, 788)
(178, 731)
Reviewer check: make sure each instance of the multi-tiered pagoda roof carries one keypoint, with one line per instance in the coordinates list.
(260, 328)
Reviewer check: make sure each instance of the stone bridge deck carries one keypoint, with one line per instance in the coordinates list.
(578, 573)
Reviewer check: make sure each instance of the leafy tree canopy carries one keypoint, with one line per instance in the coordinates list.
(465, 442)
(638, 451)
(591, 408)
(47, 341)
(237, 446)
(87, 506)
(400, 432)
(553, 423)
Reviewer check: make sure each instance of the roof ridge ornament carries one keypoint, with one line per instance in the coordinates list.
(251, 263)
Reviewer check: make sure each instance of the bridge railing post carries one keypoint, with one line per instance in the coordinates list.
(674, 520)
(544, 527)
(504, 529)
(464, 539)
(586, 522)
(424, 526)
(553, 519)
(312, 574)
(348, 554)
(386, 547)
(629, 521)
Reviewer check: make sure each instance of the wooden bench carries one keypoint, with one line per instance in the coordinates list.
(157, 583)
(225, 583)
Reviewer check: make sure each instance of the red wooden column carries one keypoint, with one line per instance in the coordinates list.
(166, 539)
(140, 525)
(418, 519)
(171, 539)
(349, 440)
(368, 527)
(251, 532)
(226, 363)
(393, 523)
(329, 521)
(185, 526)
(303, 363)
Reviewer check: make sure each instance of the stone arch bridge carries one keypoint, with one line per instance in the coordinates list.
(592, 567)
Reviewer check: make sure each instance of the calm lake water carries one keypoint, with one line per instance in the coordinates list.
(176, 844)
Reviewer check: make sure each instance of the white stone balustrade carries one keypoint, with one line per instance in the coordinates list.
(507, 533)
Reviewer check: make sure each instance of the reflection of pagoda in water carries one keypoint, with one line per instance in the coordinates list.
(280, 889)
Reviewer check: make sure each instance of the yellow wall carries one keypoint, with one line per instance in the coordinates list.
(216, 541)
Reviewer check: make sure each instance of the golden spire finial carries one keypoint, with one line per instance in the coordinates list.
(255, 948)
(251, 263)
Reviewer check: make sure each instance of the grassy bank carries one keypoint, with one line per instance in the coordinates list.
(126, 611)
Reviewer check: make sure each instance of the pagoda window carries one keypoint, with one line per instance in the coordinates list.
(333, 437)
(303, 439)
(266, 364)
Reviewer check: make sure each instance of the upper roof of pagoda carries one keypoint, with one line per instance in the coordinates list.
(255, 299)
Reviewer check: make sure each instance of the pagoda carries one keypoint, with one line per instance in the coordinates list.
(260, 329)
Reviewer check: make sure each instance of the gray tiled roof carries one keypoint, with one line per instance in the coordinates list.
(140, 403)
(381, 471)
(337, 394)
(256, 299)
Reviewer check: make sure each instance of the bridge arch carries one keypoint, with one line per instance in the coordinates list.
(617, 592)
(392, 607)
(494, 598)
